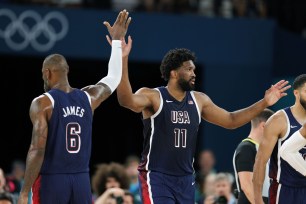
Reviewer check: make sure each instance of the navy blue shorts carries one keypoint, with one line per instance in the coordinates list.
(62, 189)
(292, 195)
(159, 188)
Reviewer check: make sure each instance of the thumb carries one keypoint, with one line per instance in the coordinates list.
(107, 24)
(108, 40)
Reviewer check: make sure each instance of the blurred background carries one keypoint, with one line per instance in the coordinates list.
(242, 47)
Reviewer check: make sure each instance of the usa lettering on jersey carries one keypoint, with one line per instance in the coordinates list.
(180, 117)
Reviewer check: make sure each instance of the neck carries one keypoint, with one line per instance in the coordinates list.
(176, 92)
(255, 136)
(62, 86)
(299, 112)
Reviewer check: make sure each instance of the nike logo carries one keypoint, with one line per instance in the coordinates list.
(293, 126)
(169, 101)
(192, 183)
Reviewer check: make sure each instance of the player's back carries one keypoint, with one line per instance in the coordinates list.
(68, 145)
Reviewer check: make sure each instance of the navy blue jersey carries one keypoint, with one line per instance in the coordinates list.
(170, 135)
(280, 170)
(68, 147)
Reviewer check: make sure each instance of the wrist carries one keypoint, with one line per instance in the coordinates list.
(116, 43)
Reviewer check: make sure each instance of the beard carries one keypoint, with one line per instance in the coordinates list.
(46, 87)
(303, 103)
(186, 85)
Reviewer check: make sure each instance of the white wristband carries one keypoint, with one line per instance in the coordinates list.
(114, 74)
(289, 151)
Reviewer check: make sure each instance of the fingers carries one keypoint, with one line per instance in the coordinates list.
(130, 40)
(108, 26)
(128, 22)
(119, 17)
(281, 83)
(122, 17)
(285, 88)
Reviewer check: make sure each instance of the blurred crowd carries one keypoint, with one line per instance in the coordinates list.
(291, 15)
(117, 183)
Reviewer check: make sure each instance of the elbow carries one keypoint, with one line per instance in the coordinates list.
(122, 103)
(36, 153)
(129, 105)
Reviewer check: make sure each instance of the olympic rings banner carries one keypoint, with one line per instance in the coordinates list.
(35, 30)
(80, 33)
(18, 34)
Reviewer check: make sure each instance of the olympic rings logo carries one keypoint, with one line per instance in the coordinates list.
(32, 29)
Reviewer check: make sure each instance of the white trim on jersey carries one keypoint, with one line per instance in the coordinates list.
(51, 98)
(152, 126)
(279, 144)
(88, 96)
(195, 101)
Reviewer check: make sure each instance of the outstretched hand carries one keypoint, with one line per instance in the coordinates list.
(126, 47)
(120, 27)
(276, 91)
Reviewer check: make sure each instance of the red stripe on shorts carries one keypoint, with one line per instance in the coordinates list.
(35, 191)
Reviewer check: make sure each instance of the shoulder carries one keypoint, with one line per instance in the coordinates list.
(149, 92)
(40, 99)
(278, 118)
(201, 97)
(245, 147)
(40, 103)
(276, 124)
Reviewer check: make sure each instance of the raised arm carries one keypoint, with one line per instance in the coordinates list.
(107, 85)
(140, 100)
(216, 115)
(289, 151)
(39, 112)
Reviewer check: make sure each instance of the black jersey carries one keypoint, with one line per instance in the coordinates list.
(244, 160)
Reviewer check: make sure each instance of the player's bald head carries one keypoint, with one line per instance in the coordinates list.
(56, 62)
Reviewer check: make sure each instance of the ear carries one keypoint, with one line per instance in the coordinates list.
(262, 125)
(173, 74)
(296, 93)
(48, 74)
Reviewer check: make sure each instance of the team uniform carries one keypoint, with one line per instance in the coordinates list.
(170, 135)
(244, 160)
(288, 185)
(64, 176)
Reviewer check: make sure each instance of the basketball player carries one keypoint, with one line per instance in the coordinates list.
(171, 117)
(287, 184)
(57, 167)
(244, 159)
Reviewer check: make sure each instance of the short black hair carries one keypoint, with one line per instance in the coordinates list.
(7, 196)
(262, 117)
(174, 59)
(299, 81)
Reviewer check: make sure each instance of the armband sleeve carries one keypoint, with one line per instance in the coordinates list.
(289, 151)
(114, 74)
